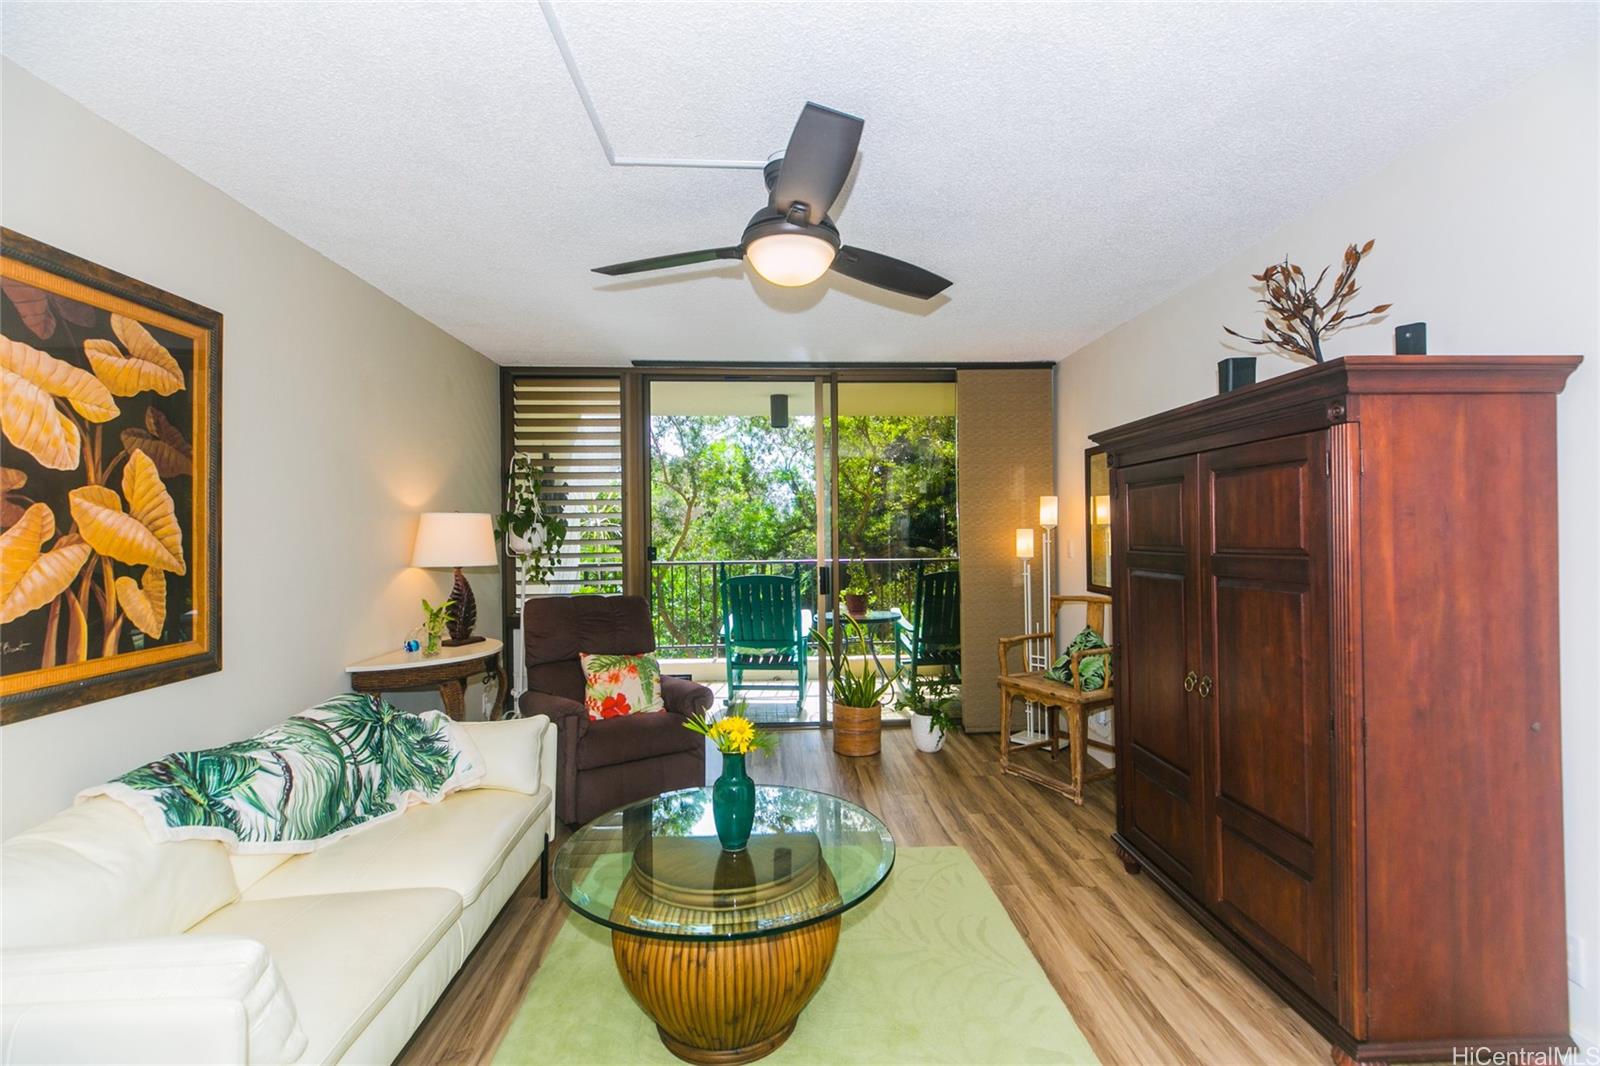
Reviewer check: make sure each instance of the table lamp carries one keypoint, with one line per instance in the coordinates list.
(453, 539)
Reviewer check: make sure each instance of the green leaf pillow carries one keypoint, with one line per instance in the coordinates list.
(1096, 668)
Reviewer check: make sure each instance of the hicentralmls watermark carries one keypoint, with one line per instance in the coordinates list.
(1548, 1056)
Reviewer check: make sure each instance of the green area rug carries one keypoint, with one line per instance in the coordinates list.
(929, 970)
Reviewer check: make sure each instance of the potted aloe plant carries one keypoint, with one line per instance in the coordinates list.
(858, 692)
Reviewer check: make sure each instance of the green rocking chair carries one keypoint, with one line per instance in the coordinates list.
(763, 629)
(933, 635)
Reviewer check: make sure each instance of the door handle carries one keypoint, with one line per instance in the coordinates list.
(1205, 687)
(1188, 681)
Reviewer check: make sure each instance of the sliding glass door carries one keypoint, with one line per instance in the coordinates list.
(733, 538)
(893, 458)
(770, 496)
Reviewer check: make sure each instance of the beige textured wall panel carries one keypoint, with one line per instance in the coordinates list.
(1004, 463)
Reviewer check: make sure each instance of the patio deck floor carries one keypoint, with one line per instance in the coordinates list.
(775, 706)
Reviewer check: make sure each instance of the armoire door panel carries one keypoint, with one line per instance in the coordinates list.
(1155, 514)
(1272, 906)
(1158, 725)
(1265, 587)
(1261, 722)
(1256, 509)
(1165, 824)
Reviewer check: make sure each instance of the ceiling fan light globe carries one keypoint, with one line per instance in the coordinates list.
(790, 259)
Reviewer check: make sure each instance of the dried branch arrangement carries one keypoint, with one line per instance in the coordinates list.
(1297, 317)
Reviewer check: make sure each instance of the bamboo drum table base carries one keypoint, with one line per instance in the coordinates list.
(725, 1001)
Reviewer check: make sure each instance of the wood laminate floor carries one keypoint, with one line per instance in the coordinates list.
(1144, 981)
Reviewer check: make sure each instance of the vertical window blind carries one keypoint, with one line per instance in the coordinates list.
(572, 427)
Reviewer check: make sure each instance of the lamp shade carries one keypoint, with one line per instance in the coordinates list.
(451, 538)
(1025, 543)
(1047, 511)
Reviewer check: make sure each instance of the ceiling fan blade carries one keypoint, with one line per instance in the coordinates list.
(818, 159)
(662, 262)
(887, 272)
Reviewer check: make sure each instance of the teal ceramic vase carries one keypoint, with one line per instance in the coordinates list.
(733, 804)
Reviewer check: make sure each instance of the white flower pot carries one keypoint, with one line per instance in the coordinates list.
(923, 735)
(516, 546)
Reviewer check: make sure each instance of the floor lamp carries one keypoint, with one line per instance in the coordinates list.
(1042, 654)
(1030, 733)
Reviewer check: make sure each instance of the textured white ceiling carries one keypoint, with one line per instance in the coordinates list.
(1066, 165)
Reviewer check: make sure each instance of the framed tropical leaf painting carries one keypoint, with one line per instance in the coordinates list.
(110, 473)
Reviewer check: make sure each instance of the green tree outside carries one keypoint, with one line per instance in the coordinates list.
(732, 487)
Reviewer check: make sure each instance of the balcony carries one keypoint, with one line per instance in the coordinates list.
(684, 609)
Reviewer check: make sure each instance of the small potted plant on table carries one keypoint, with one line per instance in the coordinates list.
(857, 696)
(437, 618)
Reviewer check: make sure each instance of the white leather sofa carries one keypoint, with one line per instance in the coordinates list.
(117, 949)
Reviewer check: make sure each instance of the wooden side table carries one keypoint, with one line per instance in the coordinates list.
(447, 672)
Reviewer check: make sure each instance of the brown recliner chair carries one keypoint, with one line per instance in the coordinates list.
(605, 764)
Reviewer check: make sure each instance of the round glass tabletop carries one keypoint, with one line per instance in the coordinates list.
(655, 868)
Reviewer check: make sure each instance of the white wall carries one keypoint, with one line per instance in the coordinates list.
(344, 415)
(1489, 232)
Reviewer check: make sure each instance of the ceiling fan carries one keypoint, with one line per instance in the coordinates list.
(792, 241)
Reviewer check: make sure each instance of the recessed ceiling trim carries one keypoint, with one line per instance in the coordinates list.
(612, 157)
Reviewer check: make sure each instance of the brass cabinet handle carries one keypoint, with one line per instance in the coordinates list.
(1188, 681)
(1205, 687)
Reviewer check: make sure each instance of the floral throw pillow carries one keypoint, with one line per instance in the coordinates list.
(615, 685)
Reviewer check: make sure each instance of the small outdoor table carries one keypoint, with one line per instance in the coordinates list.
(872, 622)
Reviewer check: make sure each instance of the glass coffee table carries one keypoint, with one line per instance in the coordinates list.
(723, 949)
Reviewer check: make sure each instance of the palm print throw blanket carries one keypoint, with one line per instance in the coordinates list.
(346, 764)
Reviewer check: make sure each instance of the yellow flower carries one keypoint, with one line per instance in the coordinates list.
(734, 734)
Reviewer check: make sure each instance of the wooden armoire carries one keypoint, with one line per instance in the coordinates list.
(1338, 701)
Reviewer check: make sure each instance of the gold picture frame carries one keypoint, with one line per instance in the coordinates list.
(110, 485)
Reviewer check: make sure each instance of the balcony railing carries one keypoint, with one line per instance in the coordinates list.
(683, 593)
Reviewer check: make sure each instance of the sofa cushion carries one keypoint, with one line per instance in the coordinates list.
(248, 869)
(123, 1000)
(635, 736)
(510, 751)
(458, 845)
(92, 873)
(343, 955)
